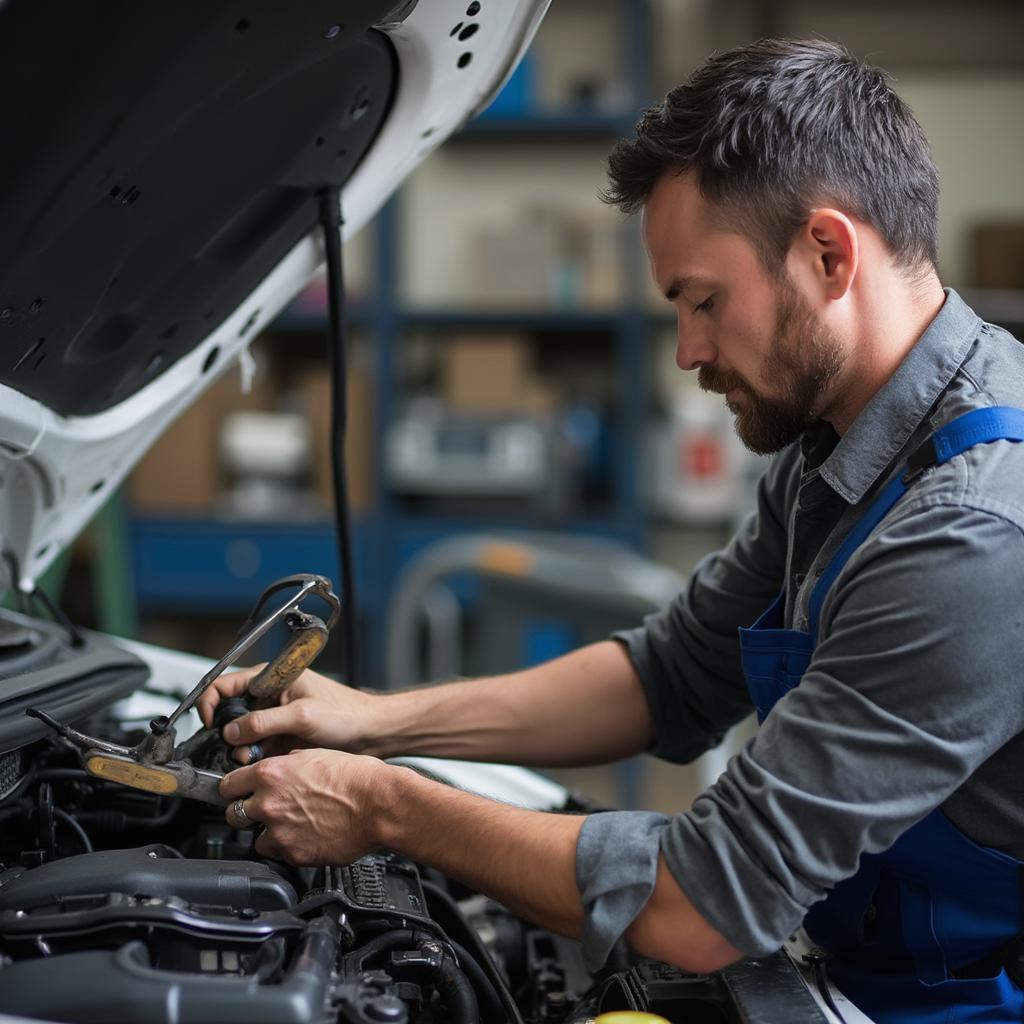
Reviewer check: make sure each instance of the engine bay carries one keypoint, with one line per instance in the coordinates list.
(117, 903)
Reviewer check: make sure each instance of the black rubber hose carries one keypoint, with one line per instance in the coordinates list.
(446, 911)
(462, 1001)
(83, 836)
(106, 819)
(492, 1009)
(821, 977)
(452, 980)
(331, 221)
(403, 938)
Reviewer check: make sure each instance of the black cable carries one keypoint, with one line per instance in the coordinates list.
(329, 200)
(445, 910)
(450, 978)
(821, 977)
(491, 1006)
(58, 615)
(62, 815)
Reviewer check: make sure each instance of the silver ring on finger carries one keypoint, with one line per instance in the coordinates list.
(249, 823)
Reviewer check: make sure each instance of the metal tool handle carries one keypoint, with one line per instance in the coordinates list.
(253, 631)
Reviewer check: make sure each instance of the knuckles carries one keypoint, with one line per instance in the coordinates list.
(304, 716)
(266, 771)
(255, 723)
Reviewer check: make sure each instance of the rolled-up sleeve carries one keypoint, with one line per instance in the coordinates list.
(616, 863)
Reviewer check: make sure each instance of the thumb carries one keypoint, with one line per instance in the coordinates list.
(258, 725)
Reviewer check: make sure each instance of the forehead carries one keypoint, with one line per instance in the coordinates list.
(684, 234)
(674, 205)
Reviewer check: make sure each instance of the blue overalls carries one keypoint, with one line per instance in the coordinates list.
(934, 902)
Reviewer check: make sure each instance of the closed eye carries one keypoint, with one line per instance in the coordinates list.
(706, 306)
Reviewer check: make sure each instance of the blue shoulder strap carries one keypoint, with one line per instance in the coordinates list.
(979, 426)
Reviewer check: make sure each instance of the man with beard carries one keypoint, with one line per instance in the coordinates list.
(869, 609)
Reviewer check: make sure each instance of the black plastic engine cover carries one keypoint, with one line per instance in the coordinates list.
(153, 870)
(768, 990)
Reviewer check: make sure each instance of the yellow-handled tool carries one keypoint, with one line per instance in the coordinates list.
(154, 764)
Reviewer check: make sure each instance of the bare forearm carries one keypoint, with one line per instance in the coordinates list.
(585, 708)
(524, 859)
(527, 861)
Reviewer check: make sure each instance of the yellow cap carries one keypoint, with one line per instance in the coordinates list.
(629, 1017)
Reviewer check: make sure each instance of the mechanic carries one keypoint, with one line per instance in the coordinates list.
(789, 205)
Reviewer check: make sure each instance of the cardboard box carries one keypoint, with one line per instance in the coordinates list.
(999, 256)
(314, 391)
(492, 376)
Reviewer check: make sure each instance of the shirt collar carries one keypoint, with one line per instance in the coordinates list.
(888, 421)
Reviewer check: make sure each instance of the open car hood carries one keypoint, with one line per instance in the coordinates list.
(158, 203)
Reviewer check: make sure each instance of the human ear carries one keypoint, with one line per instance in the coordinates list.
(830, 240)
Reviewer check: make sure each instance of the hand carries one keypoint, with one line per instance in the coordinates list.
(315, 806)
(314, 711)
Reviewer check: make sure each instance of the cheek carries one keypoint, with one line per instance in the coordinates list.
(742, 346)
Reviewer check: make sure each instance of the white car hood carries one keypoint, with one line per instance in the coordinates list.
(158, 199)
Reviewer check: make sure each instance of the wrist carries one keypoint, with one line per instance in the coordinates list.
(388, 724)
(392, 798)
(372, 729)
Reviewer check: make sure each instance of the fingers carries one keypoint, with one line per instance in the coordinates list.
(240, 817)
(252, 753)
(242, 782)
(258, 725)
(231, 684)
(266, 847)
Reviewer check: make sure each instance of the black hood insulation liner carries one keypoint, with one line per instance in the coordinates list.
(158, 161)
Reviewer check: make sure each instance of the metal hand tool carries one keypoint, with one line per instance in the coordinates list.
(154, 764)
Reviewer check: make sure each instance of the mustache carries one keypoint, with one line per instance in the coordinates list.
(719, 382)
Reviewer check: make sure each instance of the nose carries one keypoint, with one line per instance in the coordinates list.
(692, 350)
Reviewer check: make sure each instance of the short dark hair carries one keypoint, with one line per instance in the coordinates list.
(776, 127)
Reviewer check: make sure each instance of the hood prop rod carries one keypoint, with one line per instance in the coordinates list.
(329, 202)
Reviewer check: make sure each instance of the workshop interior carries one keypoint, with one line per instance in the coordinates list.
(319, 345)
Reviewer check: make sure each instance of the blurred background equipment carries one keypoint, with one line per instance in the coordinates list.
(266, 458)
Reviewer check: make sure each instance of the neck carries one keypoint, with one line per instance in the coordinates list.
(884, 322)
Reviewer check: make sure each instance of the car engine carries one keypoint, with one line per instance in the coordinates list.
(122, 904)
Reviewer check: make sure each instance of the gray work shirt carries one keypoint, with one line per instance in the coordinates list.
(914, 697)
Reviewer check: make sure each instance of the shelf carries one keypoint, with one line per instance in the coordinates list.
(212, 565)
(308, 321)
(446, 318)
(502, 319)
(545, 128)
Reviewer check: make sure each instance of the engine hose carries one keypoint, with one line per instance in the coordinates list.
(446, 910)
(491, 1007)
(83, 836)
(462, 1001)
(117, 821)
(382, 944)
(269, 960)
(453, 982)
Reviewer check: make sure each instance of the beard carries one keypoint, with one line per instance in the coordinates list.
(804, 359)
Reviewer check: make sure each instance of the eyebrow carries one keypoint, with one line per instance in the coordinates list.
(680, 284)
